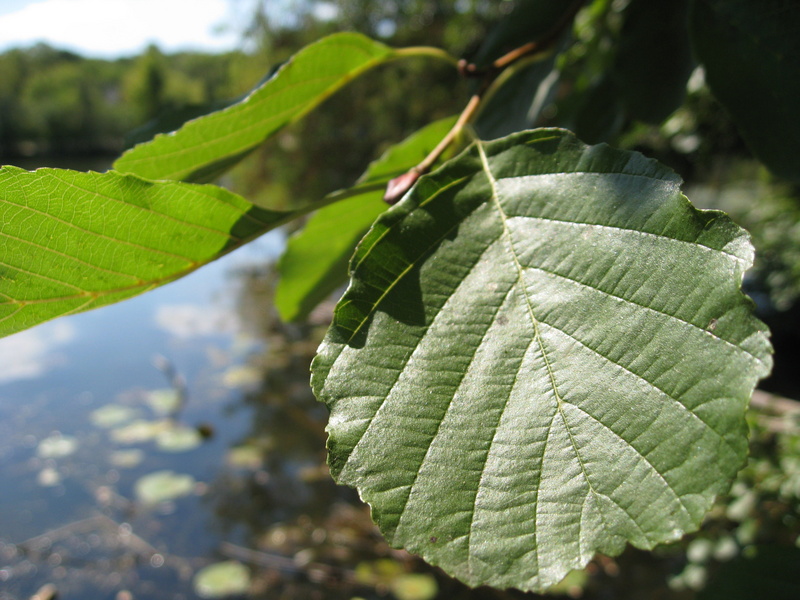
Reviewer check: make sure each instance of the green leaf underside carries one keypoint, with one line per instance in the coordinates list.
(751, 53)
(75, 241)
(544, 353)
(204, 147)
(314, 263)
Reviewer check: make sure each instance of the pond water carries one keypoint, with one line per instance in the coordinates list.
(145, 441)
(170, 447)
(87, 406)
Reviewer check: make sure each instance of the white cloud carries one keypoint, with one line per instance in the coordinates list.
(31, 353)
(108, 28)
(187, 321)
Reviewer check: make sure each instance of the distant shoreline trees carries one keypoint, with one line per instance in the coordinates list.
(57, 103)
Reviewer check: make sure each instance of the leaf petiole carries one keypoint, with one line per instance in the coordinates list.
(492, 79)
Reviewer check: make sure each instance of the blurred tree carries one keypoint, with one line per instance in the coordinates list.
(145, 84)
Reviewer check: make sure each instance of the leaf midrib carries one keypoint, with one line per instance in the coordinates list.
(537, 337)
(551, 376)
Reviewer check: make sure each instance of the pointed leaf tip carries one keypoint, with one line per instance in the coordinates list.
(204, 147)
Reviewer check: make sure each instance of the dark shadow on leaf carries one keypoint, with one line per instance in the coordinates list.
(386, 266)
(256, 220)
(211, 171)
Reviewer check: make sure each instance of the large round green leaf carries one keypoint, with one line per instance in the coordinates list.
(544, 353)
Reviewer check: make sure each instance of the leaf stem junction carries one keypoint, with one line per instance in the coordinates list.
(530, 51)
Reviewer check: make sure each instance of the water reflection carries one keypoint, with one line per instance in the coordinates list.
(35, 351)
(154, 448)
(84, 420)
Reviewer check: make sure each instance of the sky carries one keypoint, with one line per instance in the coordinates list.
(114, 28)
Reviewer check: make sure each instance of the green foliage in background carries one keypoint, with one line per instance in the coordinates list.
(53, 102)
(544, 352)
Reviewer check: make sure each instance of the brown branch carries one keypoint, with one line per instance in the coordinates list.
(541, 45)
(398, 186)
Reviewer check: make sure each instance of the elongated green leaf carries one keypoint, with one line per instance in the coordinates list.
(173, 119)
(75, 241)
(544, 353)
(315, 261)
(203, 148)
(751, 53)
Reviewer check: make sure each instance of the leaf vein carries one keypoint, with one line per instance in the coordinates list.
(13, 314)
(103, 236)
(39, 275)
(534, 321)
(652, 468)
(496, 428)
(145, 209)
(393, 226)
(68, 256)
(648, 308)
(652, 385)
(432, 244)
(694, 244)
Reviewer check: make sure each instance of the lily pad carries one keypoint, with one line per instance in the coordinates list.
(242, 376)
(57, 446)
(126, 459)
(222, 579)
(245, 457)
(178, 439)
(139, 431)
(162, 486)
(165, 401)
(112, 415)
(48, 477)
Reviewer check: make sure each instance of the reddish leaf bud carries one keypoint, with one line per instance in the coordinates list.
(398, 186)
